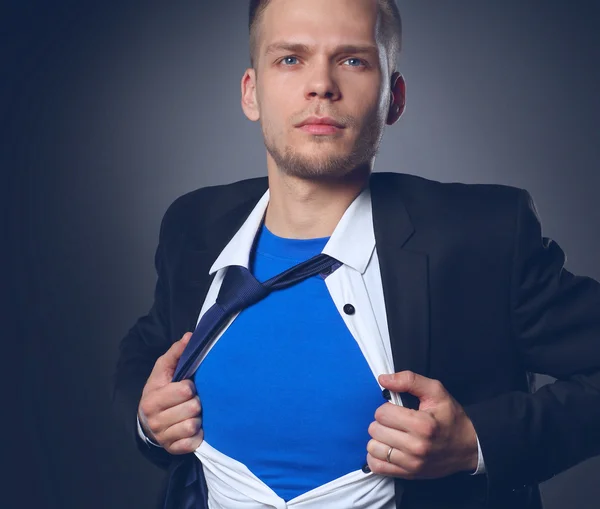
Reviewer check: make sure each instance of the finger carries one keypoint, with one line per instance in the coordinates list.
(187, 445)
(183, 437)
(186, 410)
(400, 463)
(167, 396)
(417, 385)
(380, 467)
(164, 367)
(398, 417)
(412, 445)
(172, 355)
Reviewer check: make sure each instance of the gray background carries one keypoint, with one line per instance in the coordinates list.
(111, 111)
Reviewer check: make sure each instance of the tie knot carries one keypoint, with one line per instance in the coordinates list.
(239, 290)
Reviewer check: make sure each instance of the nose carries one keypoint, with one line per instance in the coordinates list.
(321, 82)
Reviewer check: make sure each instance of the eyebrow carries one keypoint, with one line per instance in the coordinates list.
(303, 48)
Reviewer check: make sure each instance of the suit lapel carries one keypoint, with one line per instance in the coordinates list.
(404, 275)
(200, 249)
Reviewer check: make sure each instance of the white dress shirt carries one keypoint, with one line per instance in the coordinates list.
(358, 282)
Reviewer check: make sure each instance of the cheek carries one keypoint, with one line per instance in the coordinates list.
(273, 110)
(370, 104)
(273, 122)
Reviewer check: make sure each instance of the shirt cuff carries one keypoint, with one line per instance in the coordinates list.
(480, 463)
(143, 435)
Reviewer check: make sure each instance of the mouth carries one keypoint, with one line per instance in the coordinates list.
(320, 125)
(320, 129)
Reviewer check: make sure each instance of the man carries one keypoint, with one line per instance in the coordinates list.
(442, 299)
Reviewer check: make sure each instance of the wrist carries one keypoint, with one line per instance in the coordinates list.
(145, 430)
(471, 461)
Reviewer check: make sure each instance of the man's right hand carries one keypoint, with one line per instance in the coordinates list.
(170, 412)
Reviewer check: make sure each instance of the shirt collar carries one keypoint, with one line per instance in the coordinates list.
(352, 242)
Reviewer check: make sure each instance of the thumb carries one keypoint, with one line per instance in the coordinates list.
(165, 365)
(426, 389)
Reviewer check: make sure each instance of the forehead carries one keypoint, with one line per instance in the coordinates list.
(320, 21)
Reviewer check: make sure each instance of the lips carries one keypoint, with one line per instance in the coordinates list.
(320, 121)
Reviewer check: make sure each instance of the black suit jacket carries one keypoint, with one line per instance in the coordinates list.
(475, 297)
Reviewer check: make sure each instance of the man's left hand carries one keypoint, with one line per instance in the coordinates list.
(434, 441)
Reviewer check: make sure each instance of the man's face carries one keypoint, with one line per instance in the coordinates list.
(305, 67)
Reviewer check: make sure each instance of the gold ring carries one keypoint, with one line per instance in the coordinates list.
(389, 454)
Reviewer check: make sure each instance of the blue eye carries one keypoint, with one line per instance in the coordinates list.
(288, 58)
(356, 60)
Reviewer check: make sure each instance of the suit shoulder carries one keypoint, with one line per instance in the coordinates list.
(420, 192)
(220, 194)
(207, 203)
(465, 209)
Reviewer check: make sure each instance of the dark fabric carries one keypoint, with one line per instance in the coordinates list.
(475, 297)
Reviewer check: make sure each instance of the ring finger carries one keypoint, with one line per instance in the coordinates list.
(397, 458)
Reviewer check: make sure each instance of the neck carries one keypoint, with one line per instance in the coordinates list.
(306, 209)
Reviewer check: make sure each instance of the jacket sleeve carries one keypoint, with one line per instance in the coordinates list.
(147, 340)
(527, 438)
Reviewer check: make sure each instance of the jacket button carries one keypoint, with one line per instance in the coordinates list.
(386, 394)
(365, 468)
(349, 309)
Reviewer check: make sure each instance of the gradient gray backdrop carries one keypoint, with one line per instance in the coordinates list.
(112, 110)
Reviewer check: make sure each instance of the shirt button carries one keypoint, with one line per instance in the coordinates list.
(349, 309)
(365, 468)
(386, 394)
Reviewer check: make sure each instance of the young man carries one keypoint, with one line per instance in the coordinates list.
(441, 298)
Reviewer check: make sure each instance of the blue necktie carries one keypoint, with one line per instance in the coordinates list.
(239, 290)
(186, 488)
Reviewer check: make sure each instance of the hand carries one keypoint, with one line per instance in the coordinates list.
(169, 412)
(435, 441)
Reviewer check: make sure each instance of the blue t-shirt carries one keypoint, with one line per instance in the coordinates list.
(286, 390)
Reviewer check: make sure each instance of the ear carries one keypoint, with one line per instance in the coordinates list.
(249, 102)
(397, 98)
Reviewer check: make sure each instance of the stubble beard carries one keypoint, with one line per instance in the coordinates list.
(327, 166)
